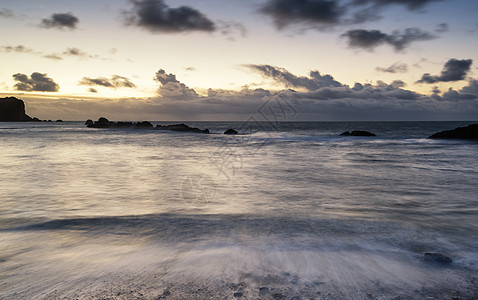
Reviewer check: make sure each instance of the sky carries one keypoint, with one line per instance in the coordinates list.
(315, 60)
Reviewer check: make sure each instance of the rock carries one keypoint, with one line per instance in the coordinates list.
(346, 133)
(59, 121)
(436, 257)
(89, 122)
(143, 125)
(182, 128)
(13, 110)
(263, 290)
(361, 133)
(357, 133)
(238, 294)
(35, 119)
(463, 133)
(101, 123)
(230, 131)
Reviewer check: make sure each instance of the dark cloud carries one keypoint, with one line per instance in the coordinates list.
(6, 13)
(18, 49)
(92, 90)
(36, 82)
(115, 81)
(157, 16)
(173, 88)
(370, 39)
(454, 70)
(289, 12)
(61, 20)
(280, 75)
(410, 4)
(394, 68)
(443, 27)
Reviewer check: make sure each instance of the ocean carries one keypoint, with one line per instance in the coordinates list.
(283, 210)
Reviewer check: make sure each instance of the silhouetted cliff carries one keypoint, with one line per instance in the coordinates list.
(13, 110)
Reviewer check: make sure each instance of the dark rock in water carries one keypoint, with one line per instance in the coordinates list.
(361, 133)
(35, 119)
(346, 133)
(59, 121)
(357, 133)
(101, 123)
(143, 125)
(436, 257)
(122, 124)
(13, 110)
(230, 131)
(105, 123)
(238, 294)
(182, 128)
(463, 133)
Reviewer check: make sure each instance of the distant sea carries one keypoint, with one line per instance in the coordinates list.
(281, 210)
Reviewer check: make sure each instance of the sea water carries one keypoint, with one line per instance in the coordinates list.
(280, 210)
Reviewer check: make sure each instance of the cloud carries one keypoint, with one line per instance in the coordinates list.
(78, 53)
(36, 82)
(443, 27)
(410, 4)
(454, 70)
(323, 14)
(61, 20)
(92, 90)
(115, 81)
(53, 56)
(310, 12)
(6, 13)
(17, 49)
(156, 16)
(172, 88)
(394, 68)
(370, 39)
(232, 29)
(282, 76)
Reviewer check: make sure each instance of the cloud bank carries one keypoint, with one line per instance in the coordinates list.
(318, 97)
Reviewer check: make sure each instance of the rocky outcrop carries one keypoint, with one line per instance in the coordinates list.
(230, 131)
(463, 133)
(101, 123)
(357, 133)
(182, 128)
(105, 123)
(13, 110)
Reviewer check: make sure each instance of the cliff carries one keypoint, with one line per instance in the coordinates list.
(13, 110)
